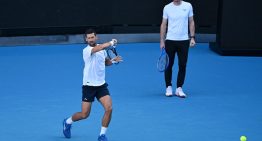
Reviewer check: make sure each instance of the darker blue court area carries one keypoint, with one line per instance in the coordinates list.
(41, 85)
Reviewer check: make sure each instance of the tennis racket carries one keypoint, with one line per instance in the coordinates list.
(163, 61)
(112, 54)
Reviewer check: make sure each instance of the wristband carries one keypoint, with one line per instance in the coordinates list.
(113, 61)
(112, 43)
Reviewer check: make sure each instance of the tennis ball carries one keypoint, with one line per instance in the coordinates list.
(243, 138)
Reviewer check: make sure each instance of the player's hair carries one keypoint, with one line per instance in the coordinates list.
(90, 31)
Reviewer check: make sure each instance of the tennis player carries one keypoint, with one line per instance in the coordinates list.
(179, 16)
(94, 85)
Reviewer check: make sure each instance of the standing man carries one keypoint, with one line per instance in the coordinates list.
(175, 39)
(94, 85)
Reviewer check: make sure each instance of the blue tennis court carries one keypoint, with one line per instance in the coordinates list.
(41, 85)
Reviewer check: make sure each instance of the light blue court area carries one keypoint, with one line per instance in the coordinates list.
(41, 85)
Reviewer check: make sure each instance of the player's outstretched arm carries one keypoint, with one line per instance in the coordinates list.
(100, 47)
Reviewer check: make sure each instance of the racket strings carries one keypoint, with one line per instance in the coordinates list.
(163, 63)
(111, 53)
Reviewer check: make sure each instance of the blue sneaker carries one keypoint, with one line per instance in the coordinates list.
(102, 138)
(66, 129)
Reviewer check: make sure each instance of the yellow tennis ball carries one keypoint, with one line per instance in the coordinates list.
(243, 138)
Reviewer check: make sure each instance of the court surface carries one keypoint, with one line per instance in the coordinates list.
(41, 85)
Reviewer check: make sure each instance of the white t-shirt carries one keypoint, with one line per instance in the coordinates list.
(177, 16)
(94, 70)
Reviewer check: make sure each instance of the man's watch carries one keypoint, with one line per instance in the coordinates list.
(192, 37)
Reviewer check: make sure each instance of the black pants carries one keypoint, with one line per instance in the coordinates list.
(181, 49)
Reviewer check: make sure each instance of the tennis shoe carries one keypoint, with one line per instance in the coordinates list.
(102, 138)
(66, 129)
(169, 92)
(180, 93)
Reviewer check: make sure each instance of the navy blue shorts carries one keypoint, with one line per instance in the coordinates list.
(90, 92)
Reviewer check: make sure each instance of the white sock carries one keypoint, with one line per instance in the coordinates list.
(69, 120)
(103, 130)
